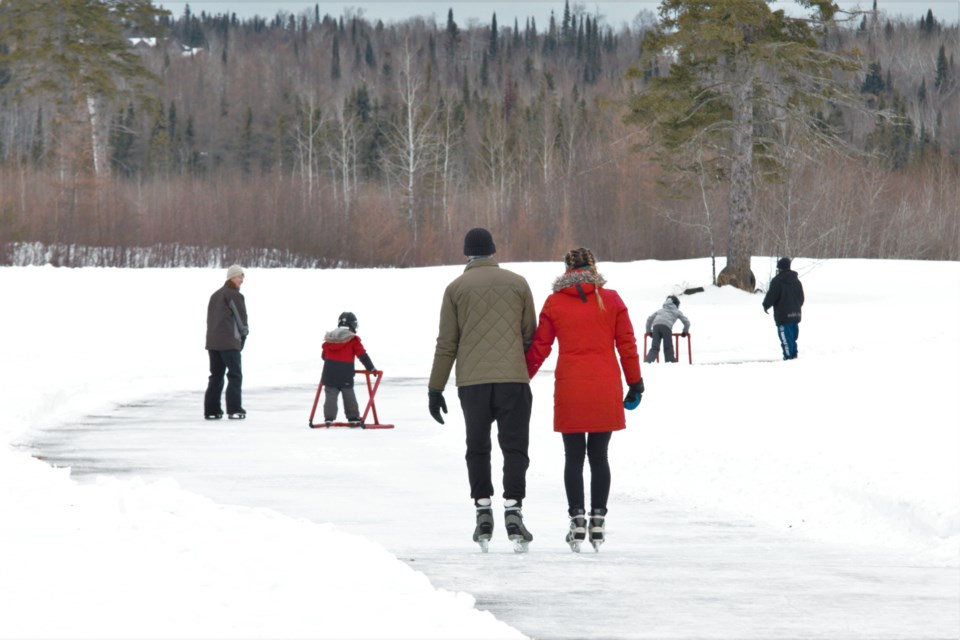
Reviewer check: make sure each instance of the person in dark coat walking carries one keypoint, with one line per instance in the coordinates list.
(785, 295)
(593, 327)
(487, 322)
(227, 331)
(340, 347)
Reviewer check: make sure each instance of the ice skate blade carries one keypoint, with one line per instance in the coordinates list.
(596, 545)
(484, 545)
(519, 544)
(574, 545)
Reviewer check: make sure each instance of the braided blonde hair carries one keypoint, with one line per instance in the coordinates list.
(582, 258)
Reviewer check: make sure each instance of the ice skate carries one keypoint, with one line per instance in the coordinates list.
(237, 415)
(597, 530)
(516, 530)
(484, 529)
(578, 530)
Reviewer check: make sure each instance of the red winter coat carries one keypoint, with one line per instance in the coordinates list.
(588, 395)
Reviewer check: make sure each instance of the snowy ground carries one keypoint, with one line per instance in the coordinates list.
(752, 497)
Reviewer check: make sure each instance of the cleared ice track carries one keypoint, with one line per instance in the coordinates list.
(666, 571)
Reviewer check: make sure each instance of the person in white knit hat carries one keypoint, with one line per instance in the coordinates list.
(227, 331)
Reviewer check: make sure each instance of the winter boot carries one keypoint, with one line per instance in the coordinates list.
(516, 531)
(578, 530)
(484, 530)
(597, 530)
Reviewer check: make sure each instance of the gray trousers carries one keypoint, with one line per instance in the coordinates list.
(350, 406)
(664, 333)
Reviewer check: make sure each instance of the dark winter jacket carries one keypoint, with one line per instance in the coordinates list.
(667, 316)
(340, 347)
(785, 295)
(487, 321)
(227, 327)
(588, 394)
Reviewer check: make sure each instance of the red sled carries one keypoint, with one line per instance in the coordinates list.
(371, 407)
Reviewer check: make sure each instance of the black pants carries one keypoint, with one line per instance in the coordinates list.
(594, 446)
(509, 404)
(223, 362)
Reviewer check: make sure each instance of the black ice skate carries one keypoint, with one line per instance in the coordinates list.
(484, 529)
(237, 415)
(516, 531)
(578, 530)
(597, 531)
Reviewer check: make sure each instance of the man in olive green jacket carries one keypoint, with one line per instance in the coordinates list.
(487, 322)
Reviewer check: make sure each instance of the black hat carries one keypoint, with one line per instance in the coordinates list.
(478, 242)
(675, 300)
(348, 320)
(783, 264)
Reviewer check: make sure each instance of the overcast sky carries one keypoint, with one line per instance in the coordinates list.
(615, 12)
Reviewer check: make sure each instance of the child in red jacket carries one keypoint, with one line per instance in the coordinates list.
(340, 347)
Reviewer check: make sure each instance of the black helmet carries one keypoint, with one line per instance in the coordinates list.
(675, 300)
(348, 320)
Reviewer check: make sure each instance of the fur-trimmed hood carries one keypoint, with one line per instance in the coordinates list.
(340, 334)
(577, 276)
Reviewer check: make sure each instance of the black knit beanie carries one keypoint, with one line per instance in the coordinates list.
(478, 242)
(783, 264)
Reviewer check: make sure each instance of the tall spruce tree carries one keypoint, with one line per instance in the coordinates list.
(731, 63)
(940, 75)
(74, 54)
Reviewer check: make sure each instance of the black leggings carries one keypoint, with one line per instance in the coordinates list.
(594, 446)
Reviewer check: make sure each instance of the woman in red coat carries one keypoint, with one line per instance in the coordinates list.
(592, 326)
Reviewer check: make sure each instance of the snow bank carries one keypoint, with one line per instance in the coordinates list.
(856, 442)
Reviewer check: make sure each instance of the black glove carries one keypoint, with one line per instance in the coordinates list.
(437, 404)
(766, 310)
(684, 334)
(634, 392)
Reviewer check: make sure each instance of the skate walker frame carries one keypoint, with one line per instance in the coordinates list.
(676, 349)
(371, 407)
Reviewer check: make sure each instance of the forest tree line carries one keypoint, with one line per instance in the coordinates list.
(311, 139)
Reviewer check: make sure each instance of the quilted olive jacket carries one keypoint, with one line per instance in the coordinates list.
(487, 322)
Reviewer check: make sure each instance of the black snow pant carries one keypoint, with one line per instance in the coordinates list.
(223, 362)
(509, 404)
(594, 446)
(661, 333)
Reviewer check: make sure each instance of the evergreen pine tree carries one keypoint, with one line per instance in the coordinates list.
(335, 59)
(873, 82)
(940, 74)
(721, 77)
(453, 37)
(245, 146)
